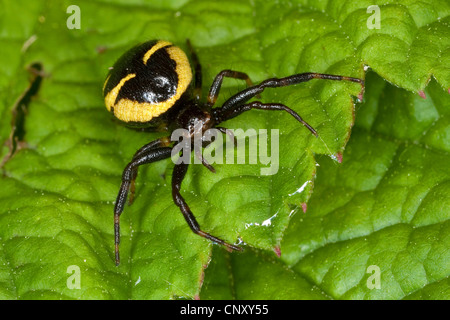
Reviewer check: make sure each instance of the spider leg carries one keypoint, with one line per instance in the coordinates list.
(217, 83)
(222, 115)
(161, 142)
(179, 172)
(229, 133)
(205, 144)
(144, 157)
(197, 70)
(198, 154)
(245, 95)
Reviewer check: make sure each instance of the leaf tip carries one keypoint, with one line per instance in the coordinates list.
(304, 207)
(277, 250)
(338, 156)
(360, 95)
(422, 94)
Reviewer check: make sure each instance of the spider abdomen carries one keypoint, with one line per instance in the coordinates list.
(147, 81)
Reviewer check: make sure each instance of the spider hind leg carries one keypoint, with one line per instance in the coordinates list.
(179, 172)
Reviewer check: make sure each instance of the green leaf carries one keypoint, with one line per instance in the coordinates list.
(386, 208)
(387, 205)
(255, 275)
(57, 192)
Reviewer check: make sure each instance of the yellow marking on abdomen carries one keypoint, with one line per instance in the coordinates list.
(110, 98)
(157, 46)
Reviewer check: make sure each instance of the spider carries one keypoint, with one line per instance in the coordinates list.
(152, 85)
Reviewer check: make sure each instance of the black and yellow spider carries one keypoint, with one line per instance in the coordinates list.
(152, 85)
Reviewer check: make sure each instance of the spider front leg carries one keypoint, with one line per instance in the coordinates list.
(245, 95)
(229, 133)
(205, 144)
(145, 156)
(161, 142)
(217, 83)
(179, 172)
(221, 115)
